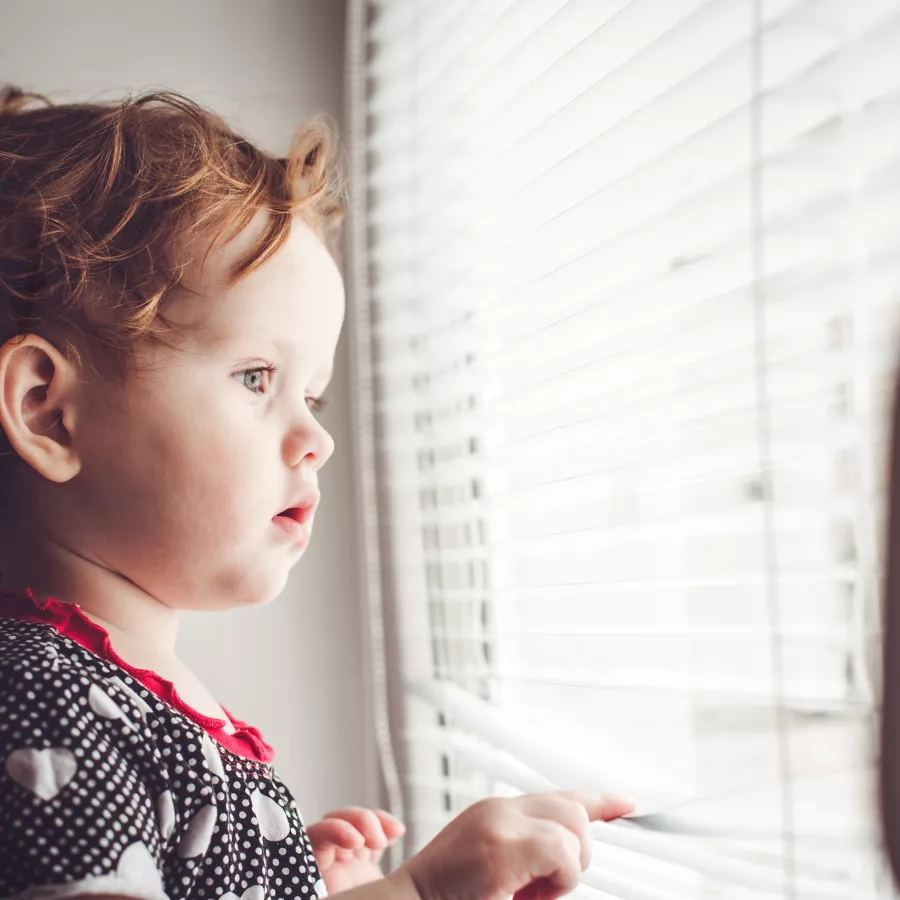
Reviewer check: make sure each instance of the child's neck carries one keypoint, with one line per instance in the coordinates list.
(143, 630)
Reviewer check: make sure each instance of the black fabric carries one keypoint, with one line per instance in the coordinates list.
(105, 788)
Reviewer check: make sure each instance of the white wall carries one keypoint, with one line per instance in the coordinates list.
(294, 669)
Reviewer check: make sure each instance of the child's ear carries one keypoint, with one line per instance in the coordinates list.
(38, 388)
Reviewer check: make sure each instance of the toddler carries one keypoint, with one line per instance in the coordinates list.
(169, 312)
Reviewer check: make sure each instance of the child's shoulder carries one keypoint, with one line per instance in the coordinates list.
(36, 657)
(48, 683)
(29, 646)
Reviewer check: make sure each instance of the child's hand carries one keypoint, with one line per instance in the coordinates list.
(534, 847)
(348, 845)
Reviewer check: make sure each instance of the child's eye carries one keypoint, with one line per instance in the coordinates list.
(253, 379)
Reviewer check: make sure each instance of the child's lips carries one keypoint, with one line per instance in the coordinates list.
(304, 505)
(298, 530)
(301, 514)
(296, 521)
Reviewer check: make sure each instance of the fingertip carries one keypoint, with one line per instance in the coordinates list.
(393, 827)
(616, 807)
(390, 817)
(602, 808)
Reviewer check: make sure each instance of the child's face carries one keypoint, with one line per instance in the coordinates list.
(186, 464)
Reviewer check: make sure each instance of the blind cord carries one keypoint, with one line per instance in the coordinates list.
(363, 411)
(757, 250)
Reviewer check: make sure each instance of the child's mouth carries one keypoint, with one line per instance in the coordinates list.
(296, 521)
(301, 514)
(295, 528)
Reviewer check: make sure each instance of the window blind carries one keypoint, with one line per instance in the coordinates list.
(632, 280)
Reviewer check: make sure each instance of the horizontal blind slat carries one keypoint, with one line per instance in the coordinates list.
(567, 375)
(530, 769)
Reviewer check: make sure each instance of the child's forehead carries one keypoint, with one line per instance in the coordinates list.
(228, 323)
(297, 287)
(300, 254)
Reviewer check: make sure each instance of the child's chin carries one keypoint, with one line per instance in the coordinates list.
(262, 591)
(265, 596)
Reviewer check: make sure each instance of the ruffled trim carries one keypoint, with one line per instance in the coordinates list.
(69, 620)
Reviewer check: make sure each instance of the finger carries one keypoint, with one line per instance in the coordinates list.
(392, 826)
(325, 857)
(599, 807)
(562, 808)
(365, 822)
(364, 854)
(338, 832)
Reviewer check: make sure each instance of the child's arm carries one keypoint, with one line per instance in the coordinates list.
(534, 846)
(399, 888)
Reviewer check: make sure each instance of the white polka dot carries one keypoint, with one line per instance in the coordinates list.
(139, 701)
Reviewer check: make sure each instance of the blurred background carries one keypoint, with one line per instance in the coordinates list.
(611, 411)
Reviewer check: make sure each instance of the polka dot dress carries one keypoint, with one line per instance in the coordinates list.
(107, 788)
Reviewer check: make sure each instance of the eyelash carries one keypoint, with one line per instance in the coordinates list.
(316, 404)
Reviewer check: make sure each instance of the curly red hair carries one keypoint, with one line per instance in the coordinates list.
(102, 207)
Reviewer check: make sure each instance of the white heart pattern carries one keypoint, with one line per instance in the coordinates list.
(43, 772)
(138, 868)
(195, 841)
(212, 757)
(104, 705)
(254, 892)
(165, 814)
(273, 821)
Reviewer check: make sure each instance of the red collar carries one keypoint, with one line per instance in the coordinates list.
(68, 619)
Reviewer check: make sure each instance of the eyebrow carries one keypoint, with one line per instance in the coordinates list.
(228, 340)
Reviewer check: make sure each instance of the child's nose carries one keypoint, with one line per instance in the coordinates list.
(309, 442)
